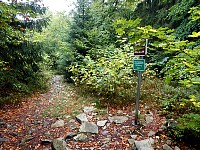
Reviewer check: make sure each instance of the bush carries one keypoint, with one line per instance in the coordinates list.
(13, 89)
(110, 76)
(180, 100)
(188, 129)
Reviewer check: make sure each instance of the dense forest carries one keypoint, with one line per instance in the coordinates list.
(94, 46)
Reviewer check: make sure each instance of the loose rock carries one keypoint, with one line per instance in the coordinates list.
(151, 133)
(105, 132)
(89, 127)
(131, 141)
(101, 123)
(72, 125)
(4, 139)
(59, 144)
(149, 119)
(58, 123)
(144, 144)
(118, 119)
(169, 142)
(133, 136)
(166, 147)
(88, 109)
(176, 148)
(120, 112)
(81, 137)
(81, 118)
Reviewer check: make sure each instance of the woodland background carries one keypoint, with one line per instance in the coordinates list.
(93, 47)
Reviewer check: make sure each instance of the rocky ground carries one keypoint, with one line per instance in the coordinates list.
(63, 119)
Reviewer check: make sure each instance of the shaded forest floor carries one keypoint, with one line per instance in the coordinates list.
(28, 125)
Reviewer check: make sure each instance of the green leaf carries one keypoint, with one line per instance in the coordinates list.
(196, 80)
(168, 80)
(120, 31)
(195, 34)
(188, 64)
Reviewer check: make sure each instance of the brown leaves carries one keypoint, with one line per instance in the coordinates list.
(27, 126)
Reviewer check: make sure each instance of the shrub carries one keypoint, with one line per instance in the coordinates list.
(188, 129)
(180, 99)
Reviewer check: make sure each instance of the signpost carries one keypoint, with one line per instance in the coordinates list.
(141, 52)
(143, 49)
(139, 66)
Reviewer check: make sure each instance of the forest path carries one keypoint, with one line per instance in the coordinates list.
(36, 122)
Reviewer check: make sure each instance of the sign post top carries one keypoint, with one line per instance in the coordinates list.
(139, 64)
(142, 51)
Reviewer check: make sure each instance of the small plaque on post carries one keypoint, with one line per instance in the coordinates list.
(139, 64)
(142, 51)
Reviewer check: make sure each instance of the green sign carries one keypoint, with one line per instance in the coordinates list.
(139, 64)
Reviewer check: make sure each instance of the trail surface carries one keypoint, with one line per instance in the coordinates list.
(31, 125)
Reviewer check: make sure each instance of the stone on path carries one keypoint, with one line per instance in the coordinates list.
(144, 144)
(134, 136)
(81, 118)
(166, 147)
(59, 144)
(70, 135)
(101, 123)
(89, 127)
(151, 133)
(149, 119)
(58, 123)
(169, 142)
(120, 112)
(81, 137)
(88, 109)
(131, 141)
(118, 119)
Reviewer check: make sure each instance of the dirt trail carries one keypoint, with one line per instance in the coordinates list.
(25, 126)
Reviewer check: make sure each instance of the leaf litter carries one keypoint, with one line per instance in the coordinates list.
(28, 124)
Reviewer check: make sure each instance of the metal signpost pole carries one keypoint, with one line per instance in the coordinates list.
(139, 85)
(137, 98)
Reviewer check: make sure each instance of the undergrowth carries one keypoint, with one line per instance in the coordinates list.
(17, 90)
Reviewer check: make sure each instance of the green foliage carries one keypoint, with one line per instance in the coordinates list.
(180, 100)
(153, 13)
(78, 38)
(110, 75)
(183, 17)
(16, 89)
(20, 56)
(54, 46)
(195, 11)
(188, 129)
(181, 68)
(103, 62)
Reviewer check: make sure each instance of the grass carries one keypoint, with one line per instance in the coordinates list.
(70, 101)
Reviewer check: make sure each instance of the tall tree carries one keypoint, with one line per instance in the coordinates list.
(19, 55)
(77, 35)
